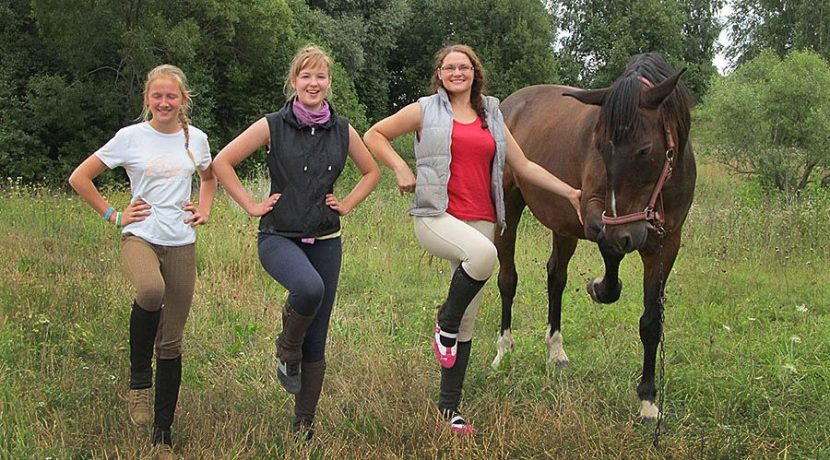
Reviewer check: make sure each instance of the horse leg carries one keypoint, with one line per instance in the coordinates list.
(508, 278)
(560, 255)
(657, 264)
(608, 288)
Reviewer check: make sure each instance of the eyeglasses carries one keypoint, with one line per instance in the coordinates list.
(463, 68)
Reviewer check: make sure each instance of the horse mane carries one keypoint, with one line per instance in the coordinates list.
(619, 117)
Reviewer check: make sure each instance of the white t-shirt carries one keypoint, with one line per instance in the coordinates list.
(160, 172)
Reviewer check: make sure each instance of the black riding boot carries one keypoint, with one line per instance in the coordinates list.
(452, 379)
(462, 290)
(143, 327)
(168, 380)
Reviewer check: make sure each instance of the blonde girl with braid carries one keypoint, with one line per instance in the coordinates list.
(158, 252)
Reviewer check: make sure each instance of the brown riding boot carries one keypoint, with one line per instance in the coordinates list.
(290, 348)
(305, 402)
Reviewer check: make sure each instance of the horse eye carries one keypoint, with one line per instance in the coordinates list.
(643, 152)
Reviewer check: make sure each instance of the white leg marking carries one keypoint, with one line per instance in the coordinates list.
(556, 349)
(504, 344)
(648, 411)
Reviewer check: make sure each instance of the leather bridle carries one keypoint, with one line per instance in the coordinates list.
(653, 213)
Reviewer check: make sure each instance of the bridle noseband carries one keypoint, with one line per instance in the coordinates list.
(651, 214)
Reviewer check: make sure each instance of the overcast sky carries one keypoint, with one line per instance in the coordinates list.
(720, 61)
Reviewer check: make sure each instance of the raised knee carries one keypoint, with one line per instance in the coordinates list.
(150, 298)
(313, 291)
(481, 265)
(491, 256)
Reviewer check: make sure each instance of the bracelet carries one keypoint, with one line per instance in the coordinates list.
(108, 213)
(118, 219)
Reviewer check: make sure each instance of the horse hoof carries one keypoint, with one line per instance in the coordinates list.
(593, 291)
(504, 345)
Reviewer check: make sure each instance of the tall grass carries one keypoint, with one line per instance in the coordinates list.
(747, 341)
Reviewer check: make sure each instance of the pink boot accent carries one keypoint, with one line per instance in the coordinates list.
(460, 427)
(446, 356)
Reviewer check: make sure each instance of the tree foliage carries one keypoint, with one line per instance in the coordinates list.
(363, 35)
(772, 119)
(779, 25)
(600, 36)
(513, 38)
(72, 71)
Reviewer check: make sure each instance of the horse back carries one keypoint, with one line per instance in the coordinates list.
(555, 132)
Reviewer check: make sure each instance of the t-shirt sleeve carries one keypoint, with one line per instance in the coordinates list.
(202, 153)
(114, 152)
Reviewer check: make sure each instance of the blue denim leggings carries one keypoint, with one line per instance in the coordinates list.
(310, 273)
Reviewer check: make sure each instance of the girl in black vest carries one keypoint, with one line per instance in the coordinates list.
(299, 230)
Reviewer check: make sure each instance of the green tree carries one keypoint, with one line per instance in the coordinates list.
(72, 71)
(600, 36)
(772, 119)
(513, 38)
(779, 25)
(362, 34)
(20, 55)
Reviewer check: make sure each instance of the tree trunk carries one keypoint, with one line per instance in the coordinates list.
(805, 177)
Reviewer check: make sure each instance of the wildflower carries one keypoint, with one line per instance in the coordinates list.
(802, 308)
(795, 339)
(790, 367)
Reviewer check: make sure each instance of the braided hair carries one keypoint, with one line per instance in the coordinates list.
(479, 78)
(174, 73)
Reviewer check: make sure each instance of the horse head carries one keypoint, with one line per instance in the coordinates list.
(637, 134)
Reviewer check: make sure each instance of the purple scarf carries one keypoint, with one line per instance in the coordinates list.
(310, 118)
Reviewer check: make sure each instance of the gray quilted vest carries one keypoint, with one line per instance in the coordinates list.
(432, 156)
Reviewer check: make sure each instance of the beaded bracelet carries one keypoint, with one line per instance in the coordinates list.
(108, 213)
(118, 219)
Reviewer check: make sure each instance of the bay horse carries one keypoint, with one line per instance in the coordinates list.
(627, 147)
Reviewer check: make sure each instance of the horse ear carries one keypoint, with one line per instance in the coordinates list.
(653, 97)
(590, 96)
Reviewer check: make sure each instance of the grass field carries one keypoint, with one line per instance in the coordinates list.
(747, 342)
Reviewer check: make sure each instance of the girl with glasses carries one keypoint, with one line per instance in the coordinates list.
(461, 148)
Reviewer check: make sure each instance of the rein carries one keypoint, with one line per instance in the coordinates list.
(653, 216)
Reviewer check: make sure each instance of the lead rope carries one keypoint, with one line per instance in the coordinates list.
(662, 306)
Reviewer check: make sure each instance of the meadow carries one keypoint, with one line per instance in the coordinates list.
(747, 341)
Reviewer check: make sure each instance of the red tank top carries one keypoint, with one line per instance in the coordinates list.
(472, 150)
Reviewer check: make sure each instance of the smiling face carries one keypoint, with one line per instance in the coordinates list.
(165, 100)
(312, 85)
(456, 73)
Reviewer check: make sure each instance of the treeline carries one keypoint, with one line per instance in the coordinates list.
(71, 71)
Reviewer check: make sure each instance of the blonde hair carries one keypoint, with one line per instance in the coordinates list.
(308, 56)
(174, 73)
